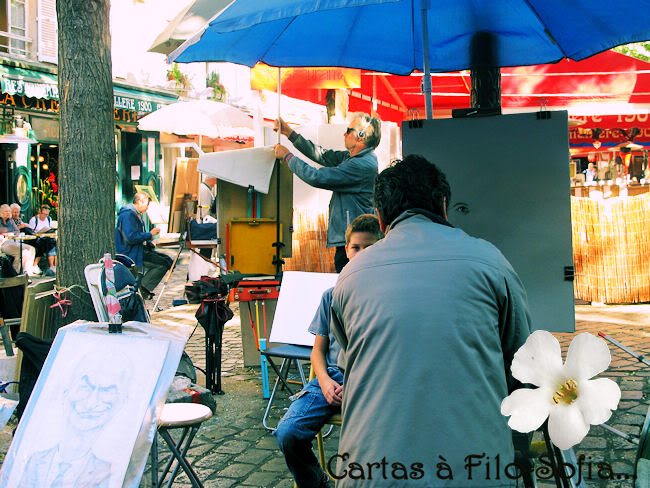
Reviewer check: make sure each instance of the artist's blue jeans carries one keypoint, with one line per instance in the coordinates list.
(298, 428)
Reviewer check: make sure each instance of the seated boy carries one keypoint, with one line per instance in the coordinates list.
(322, 396)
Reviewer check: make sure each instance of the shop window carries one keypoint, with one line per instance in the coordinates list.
(13, 28)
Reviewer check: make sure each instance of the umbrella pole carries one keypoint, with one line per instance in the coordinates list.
(278, 244)
(426, 81)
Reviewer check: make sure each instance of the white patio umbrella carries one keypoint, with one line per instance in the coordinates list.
(200, 117)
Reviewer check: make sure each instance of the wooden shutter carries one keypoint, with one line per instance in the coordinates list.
(47, 32)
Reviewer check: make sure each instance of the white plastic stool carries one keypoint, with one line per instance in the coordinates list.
(186, 416)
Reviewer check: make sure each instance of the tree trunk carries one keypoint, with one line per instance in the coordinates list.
(87, 147)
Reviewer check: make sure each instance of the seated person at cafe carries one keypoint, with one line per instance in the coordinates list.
(15, 215)
(132, 241)
(45, 245)
(13, 247)
(321, 397)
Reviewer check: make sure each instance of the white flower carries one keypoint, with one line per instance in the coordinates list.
(565, 395)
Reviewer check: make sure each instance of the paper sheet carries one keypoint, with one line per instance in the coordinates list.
(244, 167)
(300, 295)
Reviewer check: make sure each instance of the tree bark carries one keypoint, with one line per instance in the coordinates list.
(87, 148)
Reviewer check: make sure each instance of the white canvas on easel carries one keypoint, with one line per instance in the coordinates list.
(300, 295)
(86, 412)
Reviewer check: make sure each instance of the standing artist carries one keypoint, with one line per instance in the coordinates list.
(349, 174)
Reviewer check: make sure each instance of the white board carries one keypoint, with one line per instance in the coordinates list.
(300, 295)
(90, 415)
(252, 166)
(510, 185)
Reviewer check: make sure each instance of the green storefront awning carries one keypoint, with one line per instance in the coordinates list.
(37, 84)
(138, 100)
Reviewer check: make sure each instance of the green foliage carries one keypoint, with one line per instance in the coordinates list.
(639, 50)
(218, 90)
(49, 194)
(181, 79)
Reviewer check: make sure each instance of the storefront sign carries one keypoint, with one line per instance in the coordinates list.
(29, 89)
(583, 136)
(52, 106)
(265, 77)
(45, 91)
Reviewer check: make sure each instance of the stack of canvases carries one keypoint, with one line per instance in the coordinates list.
(611, 249)
(309, 239)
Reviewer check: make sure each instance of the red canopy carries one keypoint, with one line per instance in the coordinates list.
(606, 77)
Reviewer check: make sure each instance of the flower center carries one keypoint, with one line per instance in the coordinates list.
(567, 393)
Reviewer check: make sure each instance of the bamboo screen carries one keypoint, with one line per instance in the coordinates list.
(611, 249)
(308, 244)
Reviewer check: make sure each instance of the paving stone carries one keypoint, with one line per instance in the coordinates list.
(233, 447)
(260, 478)
(253, 456)
(237, 470)
(631, 395)
(220, 483)
(276, 463)
(214, 461)
(593, 443)
(267, 442)
(251, 434)
(631, 419)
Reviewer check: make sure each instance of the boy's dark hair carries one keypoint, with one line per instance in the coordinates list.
(364, 223)
(410, 183)
(45, 206)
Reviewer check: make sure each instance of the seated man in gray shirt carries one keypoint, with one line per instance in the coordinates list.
(322, 396)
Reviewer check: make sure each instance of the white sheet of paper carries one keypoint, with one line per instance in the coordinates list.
(243, 167)
(300, 295)
(111, 414)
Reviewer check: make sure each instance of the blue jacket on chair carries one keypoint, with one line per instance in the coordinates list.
(130, 235)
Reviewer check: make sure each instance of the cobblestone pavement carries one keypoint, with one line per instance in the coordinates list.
(233, 449)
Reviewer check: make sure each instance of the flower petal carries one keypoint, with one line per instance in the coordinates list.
(597, 398)
(539, 360)
(588, 355)
(566, 426)
(527, 408)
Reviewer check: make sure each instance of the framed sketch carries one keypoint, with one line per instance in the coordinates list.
(86, 412)
(185, 192)
(149, 190)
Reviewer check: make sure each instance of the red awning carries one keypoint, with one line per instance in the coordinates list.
(608, 77)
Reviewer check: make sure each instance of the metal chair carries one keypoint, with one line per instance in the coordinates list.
(289, 354)
(185, 416)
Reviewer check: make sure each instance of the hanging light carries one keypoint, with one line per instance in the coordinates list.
(44, 166)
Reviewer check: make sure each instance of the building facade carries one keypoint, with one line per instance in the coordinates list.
(29, 106)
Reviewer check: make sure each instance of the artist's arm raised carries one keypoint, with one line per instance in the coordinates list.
(324, 157)
(351, 176)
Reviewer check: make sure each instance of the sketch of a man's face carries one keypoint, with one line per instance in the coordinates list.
(95, 395)
(92, 402)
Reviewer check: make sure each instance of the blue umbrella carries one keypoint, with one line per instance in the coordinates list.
(393, 35)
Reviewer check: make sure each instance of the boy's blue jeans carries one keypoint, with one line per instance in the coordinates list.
(298, 428)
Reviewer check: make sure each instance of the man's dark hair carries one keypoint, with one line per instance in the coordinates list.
(410, 183)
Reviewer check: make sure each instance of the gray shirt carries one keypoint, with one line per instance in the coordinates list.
(429, 320)
(351, 180)
(320, 325)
